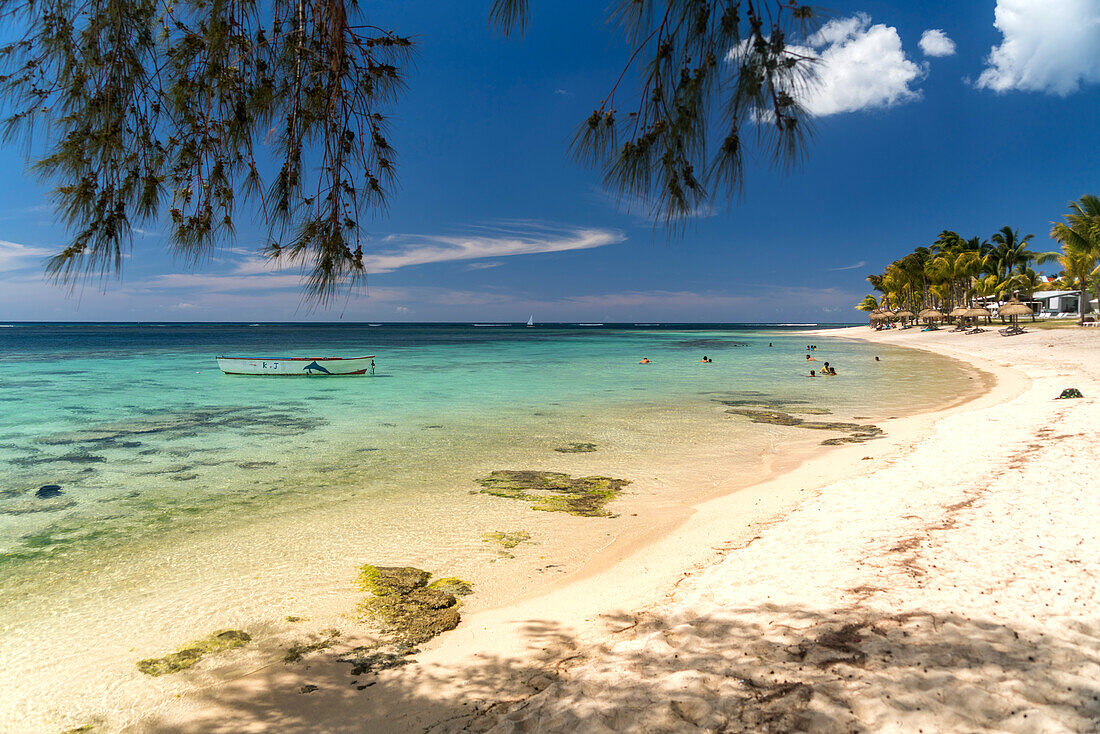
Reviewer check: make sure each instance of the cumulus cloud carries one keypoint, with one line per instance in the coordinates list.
(861, 66)
(14, 256)
(934, 42)
(1049, 46)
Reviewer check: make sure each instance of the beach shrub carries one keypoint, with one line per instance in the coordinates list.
(190, 654)
(555, 492)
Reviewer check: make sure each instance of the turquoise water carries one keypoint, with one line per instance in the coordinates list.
(189, 499)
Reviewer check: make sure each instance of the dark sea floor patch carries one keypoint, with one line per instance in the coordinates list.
(576, 448)
(249, 421)
(585, 496)
(857, 432)
(190, 654)
(709, 344)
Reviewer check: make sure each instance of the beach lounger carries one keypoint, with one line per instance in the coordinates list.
(976, 330)
(1012, 331)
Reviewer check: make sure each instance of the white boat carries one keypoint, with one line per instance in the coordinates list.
(307, 366)
(531, 321)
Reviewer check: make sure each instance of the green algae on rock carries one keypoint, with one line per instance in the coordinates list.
(292, 618)
(190, 654)
(409, 611)
(453, 585)
(299, 650)
(387, 580)
(576, 448)
(505, 542)
(415, 617)
(584, 496)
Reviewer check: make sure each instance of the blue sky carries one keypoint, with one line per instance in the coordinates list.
(991, 121)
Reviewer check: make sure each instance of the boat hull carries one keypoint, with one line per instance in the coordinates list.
(296, 366)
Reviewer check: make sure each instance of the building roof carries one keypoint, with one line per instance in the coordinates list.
(1040, 295)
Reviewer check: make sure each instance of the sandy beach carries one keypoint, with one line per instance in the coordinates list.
(941, 578)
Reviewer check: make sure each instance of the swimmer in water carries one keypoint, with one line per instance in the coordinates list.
(645, 360)
(810, 359)
(812, 374)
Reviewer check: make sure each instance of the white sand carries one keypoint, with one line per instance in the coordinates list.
(947, 582)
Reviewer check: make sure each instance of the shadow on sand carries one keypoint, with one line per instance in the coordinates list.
(758, 669)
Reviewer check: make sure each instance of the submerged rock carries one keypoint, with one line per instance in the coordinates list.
(506, 541)
(453, 585)
(386, 580)
(408, 610)
(255, 464)
(48, 490)
(857, 432)
(584, 496)
(576, 448)
(190, 654)
(299, 650)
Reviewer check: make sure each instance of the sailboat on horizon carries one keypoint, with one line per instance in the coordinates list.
(531, 321)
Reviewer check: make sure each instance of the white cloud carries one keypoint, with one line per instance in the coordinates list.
(859, 264)
(484, 265)
(934, 42)
(14, 256)
(523, 238)
(1049, 46)
(861, 66)
(504, 240)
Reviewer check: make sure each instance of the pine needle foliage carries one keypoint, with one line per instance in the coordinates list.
(155, 108)
(705, 81)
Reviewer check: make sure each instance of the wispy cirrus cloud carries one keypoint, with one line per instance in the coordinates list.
(15, 256)
(859, 264)
(482, 244)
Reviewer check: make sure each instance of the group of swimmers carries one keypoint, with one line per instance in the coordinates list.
(647, 360)
(826, 370)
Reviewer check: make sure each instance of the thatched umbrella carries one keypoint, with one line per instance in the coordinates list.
(904, 314)
(1014, 310)
(930, 315)
(976, 312)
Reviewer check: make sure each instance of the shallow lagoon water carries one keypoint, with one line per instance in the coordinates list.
(193, 501)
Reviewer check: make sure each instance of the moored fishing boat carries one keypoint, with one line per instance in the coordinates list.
(309, 366)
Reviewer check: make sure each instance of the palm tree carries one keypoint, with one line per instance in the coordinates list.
(868, 304)
(1080, 239)
(1011, 251)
